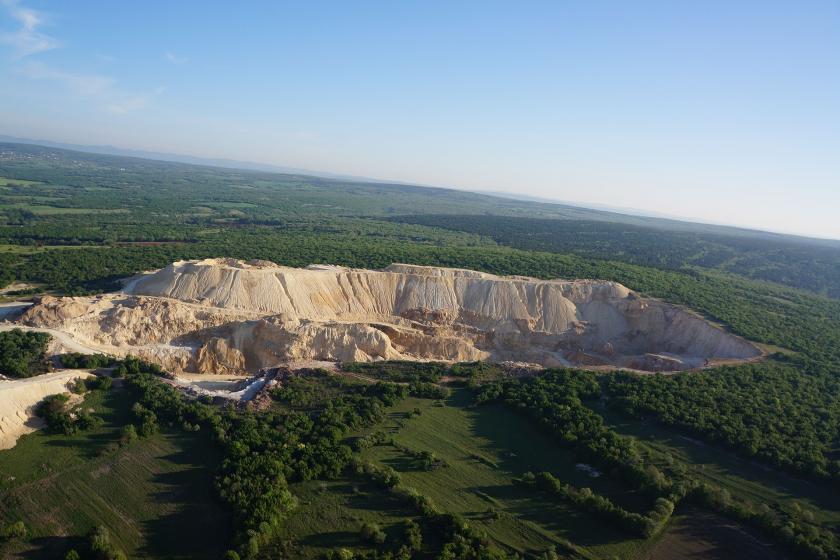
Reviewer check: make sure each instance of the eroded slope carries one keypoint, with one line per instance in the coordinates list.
(223, 316)
(20, 397)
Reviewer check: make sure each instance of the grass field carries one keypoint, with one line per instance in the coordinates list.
(741, 477)
(45, 210)
(155, 496)
(6, 181)
(330, 515)
(694, 534)
(485, 448)
(32, 249)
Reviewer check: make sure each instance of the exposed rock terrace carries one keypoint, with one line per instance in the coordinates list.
(228, 316)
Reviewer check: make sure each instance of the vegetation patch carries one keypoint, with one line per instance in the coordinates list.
(23, 353)
(10, 182)
(695, 533)
(153, 496)
(485, 450)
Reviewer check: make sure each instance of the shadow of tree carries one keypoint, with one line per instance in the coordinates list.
(197, 525)
(532, 505)
(697, 534)
(46, 548)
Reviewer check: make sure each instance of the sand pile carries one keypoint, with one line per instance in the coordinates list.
(20, 397)
(227, 316)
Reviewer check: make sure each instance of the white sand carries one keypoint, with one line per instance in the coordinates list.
(20, 397)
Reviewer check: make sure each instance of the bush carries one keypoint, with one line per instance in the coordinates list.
(53, 410)
(147, 418)
(101, 546)
(412, 537)
(425, 390)
(129, 434)
(372, 533)
(23, 353)
(383, 476)
(75, 360)
(99, 383)
(79, 386)
(16, 530)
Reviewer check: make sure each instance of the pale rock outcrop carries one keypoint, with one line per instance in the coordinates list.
(20, 397)
(224, 316)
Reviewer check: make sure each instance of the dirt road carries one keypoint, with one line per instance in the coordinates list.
(60, 337)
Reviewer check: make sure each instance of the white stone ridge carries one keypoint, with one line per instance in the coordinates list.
(229, 316)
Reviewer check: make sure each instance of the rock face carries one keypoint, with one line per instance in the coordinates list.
(226, 316)
(20, 397)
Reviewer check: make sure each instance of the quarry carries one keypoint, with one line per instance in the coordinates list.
(19, 398)
(223, 316)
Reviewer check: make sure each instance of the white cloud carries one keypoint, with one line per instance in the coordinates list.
(100, 88)
(126, 105)
(27, 40)
(175, 59)
(82, 84)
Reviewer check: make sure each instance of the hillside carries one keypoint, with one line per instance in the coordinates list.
(54, 199)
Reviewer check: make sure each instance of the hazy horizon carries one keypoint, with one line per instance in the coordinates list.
(714, 112)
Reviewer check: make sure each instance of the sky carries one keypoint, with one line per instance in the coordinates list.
(719, 111)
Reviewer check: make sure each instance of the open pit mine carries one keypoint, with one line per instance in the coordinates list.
(225, 316)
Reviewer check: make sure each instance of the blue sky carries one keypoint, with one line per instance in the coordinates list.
(720, 111)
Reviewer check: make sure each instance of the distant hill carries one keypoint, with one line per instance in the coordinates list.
(179, 158)
(99, 198)
(565, 209)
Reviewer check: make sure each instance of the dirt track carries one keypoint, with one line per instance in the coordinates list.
(64, 340)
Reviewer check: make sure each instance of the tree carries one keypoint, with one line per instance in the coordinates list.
(412, 537)
(100, 383)
(102, 547)
(129, 434)
(22, 353)
(372, 533)
(16, 530)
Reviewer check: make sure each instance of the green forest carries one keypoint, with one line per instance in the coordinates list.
(418, 460)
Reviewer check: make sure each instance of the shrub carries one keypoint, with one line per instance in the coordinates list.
(99, 383)
(129, 434)
(16, 530)
(53, 410)
(23, 353)
(75, 360)
(79, 386)
(101, 546)
(411, 535)
(372, 533)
